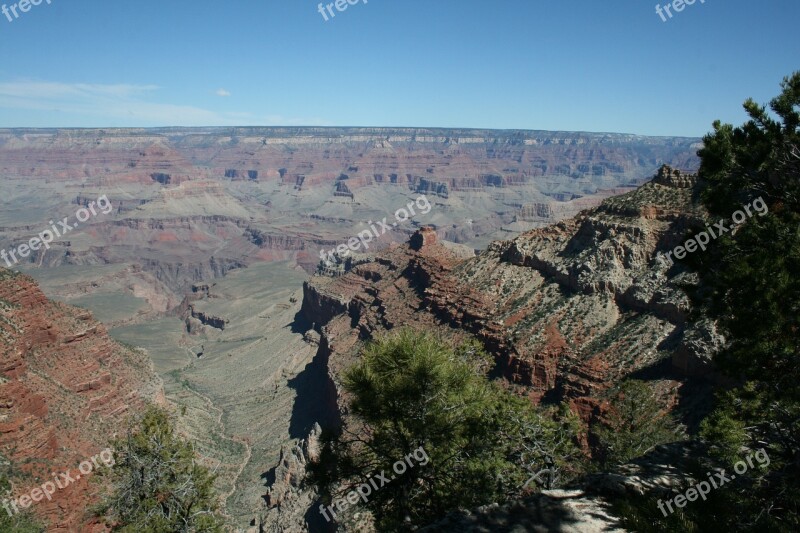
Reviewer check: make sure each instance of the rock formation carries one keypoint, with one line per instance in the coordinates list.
(565, 511)
(671, 177)
(289, 500)
(584, 508)
(66, 389)
(567, 311)
(191, 206)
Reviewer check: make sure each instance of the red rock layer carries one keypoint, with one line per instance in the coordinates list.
(65, 390)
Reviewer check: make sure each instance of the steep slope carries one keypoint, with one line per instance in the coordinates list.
(193, 206)
(567, 311)
(65, 391)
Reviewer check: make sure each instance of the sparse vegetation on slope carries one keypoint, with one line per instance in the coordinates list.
(635, 424)
(16, 523)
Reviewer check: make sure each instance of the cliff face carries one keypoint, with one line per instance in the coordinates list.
(566, 310)
(65, 391)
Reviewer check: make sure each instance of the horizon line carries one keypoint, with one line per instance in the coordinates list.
(441, 128)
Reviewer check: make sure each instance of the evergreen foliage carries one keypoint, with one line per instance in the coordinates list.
(634, 425)
(159, 487)
(485, 445)
(755, 280)
(751, 280)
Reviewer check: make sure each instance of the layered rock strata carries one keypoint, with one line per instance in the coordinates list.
(66, 389)
(567, 311)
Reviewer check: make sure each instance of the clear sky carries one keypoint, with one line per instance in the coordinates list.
(585, 65)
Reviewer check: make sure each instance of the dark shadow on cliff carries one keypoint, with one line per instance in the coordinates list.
(695, 398)
(316, 398)
(300, 324)
(661, 369)
(269, 476)
(316, 522)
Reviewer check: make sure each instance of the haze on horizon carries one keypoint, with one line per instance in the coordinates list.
(513, 65)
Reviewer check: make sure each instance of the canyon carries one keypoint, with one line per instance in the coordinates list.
(566, 312)
(204, 263)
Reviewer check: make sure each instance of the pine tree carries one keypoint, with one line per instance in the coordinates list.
(159, 487)
(412, 391)
(634, 425)
(752, 287)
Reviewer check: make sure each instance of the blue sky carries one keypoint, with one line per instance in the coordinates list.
(583, 65)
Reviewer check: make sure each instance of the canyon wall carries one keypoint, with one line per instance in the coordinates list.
(66, 389)
(567, 311)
